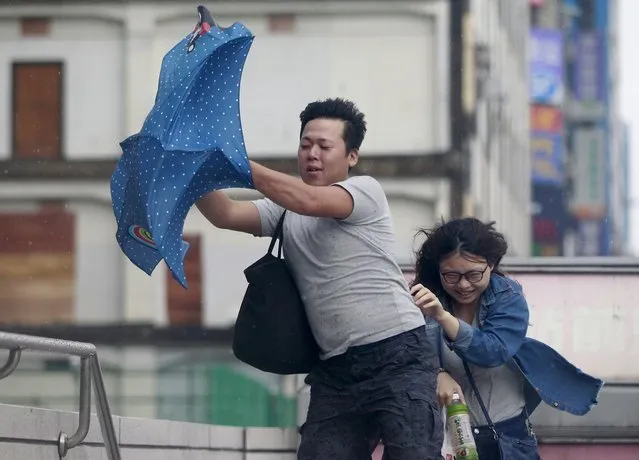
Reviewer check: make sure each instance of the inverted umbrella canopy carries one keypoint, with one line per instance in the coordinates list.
(191, 143)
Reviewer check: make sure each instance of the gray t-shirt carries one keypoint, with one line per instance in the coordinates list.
(352, 287)
(501, 388)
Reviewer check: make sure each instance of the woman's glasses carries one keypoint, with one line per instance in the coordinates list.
(472, 276)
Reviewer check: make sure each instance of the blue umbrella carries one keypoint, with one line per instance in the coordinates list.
(190, 144)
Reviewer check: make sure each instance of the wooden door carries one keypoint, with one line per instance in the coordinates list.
(37, 274)
(185, 305)
(37, 110)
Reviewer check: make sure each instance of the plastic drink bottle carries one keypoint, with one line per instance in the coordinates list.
(458, 425)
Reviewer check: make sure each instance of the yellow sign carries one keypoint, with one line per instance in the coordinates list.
(547, 163)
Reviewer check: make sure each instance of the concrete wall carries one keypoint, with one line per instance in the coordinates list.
(407, 113)
(28, 433)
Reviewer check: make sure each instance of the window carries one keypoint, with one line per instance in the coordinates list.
(37, 266)
(185, 305)
(37, 110)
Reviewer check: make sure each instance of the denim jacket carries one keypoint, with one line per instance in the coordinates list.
(501, 339)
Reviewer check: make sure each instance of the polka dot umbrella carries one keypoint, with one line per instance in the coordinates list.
(190, 143)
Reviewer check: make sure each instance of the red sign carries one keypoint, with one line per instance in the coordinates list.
(545, 119)
(545, 230)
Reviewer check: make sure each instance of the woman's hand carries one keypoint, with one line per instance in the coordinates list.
(428, 302)
(446, 386)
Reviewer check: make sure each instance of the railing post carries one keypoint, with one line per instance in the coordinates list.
(11, 364)
(104, 412)
(64, 441)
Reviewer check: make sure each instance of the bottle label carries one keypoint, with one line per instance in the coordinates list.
(461, 436)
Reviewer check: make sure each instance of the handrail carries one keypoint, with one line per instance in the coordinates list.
(89, 367)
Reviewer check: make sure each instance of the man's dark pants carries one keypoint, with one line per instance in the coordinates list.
(386, 389)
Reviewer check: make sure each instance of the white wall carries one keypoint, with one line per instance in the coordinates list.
(587, 326)
(383, 63)
(98, 288)
(415, 205)
(390, 59)
(33, 433)
(91, 51)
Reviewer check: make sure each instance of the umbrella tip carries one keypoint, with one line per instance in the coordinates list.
(205, 16)
(204, 25)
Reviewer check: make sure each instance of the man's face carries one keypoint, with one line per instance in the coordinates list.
(322, 158)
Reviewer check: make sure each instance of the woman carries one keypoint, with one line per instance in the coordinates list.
(482, 318)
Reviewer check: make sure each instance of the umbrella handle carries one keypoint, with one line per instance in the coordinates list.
(204, 24)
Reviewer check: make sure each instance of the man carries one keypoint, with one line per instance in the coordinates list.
(376, 373)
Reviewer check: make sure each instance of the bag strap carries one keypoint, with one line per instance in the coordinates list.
(491, 425)
(278, 234)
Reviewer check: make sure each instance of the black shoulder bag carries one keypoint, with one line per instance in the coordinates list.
(272, 332)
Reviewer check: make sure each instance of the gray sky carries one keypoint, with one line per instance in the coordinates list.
(629, 97)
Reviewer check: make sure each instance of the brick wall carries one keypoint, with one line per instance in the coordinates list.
(37, 266)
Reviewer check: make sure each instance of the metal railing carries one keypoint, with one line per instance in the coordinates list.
(89, 367)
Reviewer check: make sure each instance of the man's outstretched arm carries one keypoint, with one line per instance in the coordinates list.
(223, 212)
(289, 192)
(293, 194)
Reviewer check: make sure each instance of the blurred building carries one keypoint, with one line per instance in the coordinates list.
(579, 181)
(625, 199)
(619, 191)
(495, 109)
(599, 195)
(443, 86)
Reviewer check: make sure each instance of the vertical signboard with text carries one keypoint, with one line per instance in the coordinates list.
(588, 203)
(547, 142)
(546, 67)
(547, 145)
(589, 144)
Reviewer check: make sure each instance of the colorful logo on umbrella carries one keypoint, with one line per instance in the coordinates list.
(142, 235)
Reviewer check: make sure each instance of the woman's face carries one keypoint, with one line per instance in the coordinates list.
(464, 277)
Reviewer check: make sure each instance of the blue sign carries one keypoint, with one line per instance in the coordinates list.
(547, 158)
(546, 67)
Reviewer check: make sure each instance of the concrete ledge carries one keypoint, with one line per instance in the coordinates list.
(30, 433)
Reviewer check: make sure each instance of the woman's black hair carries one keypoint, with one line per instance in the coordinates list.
(468, 236)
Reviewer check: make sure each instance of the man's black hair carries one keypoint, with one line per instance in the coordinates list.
(338, 109)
